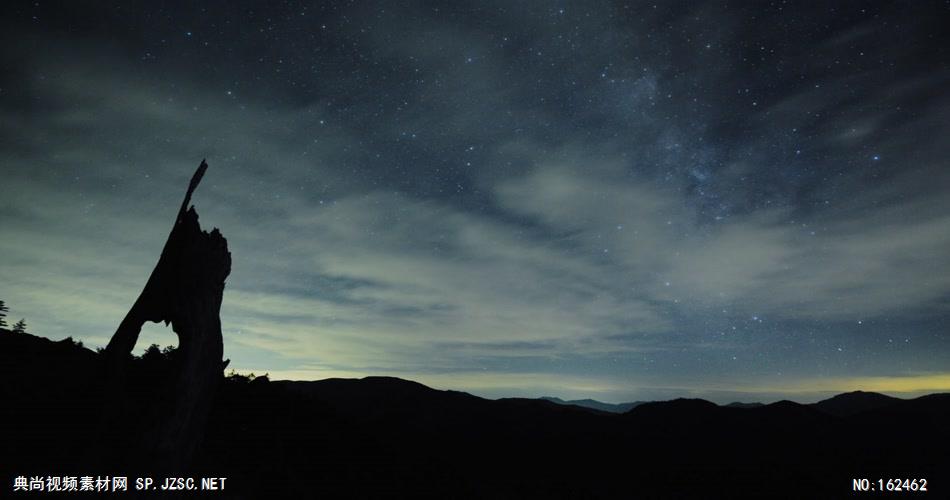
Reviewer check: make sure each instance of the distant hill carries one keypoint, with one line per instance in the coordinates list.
(596, 405)
(383, 437)
(737, 404)
(852, 403)
(623, 407)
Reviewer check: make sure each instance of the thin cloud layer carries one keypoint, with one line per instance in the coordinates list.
(769, 262)
(611, 199)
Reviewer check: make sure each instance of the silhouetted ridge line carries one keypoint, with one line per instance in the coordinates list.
(851, 403)
(593, 404)
(388, 437)
(738, 404)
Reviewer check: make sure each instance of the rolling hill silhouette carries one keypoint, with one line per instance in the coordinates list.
(386, 437)
(738, 404)
(593, 404)
(852, 403)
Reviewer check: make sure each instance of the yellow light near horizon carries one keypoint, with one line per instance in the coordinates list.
(529, 384)
(909, 384)
(918, 383)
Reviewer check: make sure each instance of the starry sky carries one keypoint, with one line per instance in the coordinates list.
(617, 200)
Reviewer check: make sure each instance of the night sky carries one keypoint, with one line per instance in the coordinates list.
(621, 200)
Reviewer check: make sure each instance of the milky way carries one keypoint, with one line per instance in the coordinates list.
(581, 199)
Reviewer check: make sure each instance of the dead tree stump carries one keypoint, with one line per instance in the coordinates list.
(184, 289)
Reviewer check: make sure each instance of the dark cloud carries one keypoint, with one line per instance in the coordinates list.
(618, 199)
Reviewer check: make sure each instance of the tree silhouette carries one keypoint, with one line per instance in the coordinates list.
(184, 289)
(152, 352)
(156, 353)
(76, 343)
(3, 314)
(19, 327)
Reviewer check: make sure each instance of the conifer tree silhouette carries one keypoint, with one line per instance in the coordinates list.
(3, 314)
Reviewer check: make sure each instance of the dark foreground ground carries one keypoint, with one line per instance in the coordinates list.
(390, 438)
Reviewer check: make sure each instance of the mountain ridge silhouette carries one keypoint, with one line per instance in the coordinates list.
(385, 437)
(594, 404)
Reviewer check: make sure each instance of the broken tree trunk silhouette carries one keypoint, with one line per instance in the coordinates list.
(184, 289)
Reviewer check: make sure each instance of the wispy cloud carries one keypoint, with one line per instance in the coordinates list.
(768, 262)
(521, 212)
